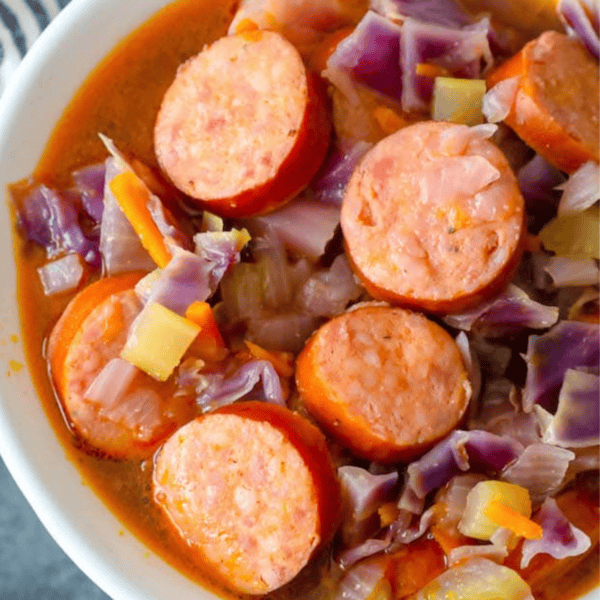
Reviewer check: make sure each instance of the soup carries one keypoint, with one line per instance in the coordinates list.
(121, 100)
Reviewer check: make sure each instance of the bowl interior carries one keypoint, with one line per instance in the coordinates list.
(51, 73)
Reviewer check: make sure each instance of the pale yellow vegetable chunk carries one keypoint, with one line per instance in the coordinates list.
(576, 235)
(158, 340)
(458, 100)
(477, 579)
(475, 523)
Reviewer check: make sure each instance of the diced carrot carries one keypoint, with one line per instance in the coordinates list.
(432, 71)
(209, 344)
(283, 362)
(414, 566)
(75, 314)
(510, 519)
(447, 539)
(133, 198)
(388, 513)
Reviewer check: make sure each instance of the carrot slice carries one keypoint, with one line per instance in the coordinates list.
(133, 198)
(75, 314)
(509, 518)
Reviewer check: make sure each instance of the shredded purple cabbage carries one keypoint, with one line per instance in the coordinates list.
(568, 345)
(50, 218)
(89, 183)
(576, 423)
(441, 12)
(560, 537)
(460, 451)
(371, 55)
(220, 390)
(582, 17)
(507, 314)
(331, 185)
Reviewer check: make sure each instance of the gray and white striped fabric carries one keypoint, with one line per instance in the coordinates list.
(21, 22)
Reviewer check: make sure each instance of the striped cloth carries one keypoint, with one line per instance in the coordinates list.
(21, 22)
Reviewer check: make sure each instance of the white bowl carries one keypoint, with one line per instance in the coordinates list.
(55, 67)
(52, 71)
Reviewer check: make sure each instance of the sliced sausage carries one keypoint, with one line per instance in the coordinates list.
(555, 109)
(134, 422)
(433, 218)
(244, 126)
(251, 490)
(387, 382)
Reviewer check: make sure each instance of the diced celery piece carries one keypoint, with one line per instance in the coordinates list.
(475, 523)
(480, 579)
(574, 234)
(158, 340)
(458, 100)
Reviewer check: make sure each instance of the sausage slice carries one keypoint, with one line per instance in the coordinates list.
(244, 127)
(385, 381)
(251, 490)
(433, 218)
(555, 110)
(144, 414)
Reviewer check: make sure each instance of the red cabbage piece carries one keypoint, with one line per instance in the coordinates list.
(460, 51)
(560, 537)
(541, 469)
(218, 390)
(304, 226)
(368, 548)
(50, 218)
(583, 18)
(460, 451)
(537, 181)
(441, 12)
(507, 314)
(576, 423)
(331, 185)
(191, 277)
(370, 55)
(89, 183)
(568, 345)
(362, 494)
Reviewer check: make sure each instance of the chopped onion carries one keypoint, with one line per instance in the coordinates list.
(61, 275)
(110, 385)
(498, 101)
(560, 539)
(477, 578)
(327, 293)
(581, 190)
(120, 245)
(567, 271)
(365, 581)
